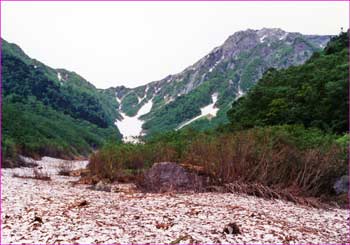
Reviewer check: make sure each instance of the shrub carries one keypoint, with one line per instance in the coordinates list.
(114, 160)
(288, 158)
(273, 157)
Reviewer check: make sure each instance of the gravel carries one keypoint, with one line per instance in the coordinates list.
(56, 211)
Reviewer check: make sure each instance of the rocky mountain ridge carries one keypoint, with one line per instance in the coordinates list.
(228, 70)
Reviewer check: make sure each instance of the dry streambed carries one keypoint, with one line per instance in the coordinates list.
(36, 211)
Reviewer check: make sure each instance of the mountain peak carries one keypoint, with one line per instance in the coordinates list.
(228, 70)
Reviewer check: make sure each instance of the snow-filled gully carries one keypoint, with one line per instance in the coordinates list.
(131, 127)
(205, 111)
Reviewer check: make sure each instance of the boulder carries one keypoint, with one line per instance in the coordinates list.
(341, 185)
(170, 176)
(101, 186)
(124, 187)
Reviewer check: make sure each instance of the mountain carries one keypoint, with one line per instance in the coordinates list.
(57, 112)
(203, 93)
(51, 111)
(314, 94)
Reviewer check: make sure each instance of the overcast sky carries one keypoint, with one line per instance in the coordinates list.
(133, 43)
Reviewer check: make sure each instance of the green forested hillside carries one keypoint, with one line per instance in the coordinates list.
(52, 112)
(314, 94)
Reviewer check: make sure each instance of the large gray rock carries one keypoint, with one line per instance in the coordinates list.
(342, 185)
(169, 176)
(101, 186)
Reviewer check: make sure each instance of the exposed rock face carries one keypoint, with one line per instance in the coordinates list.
(169, 176)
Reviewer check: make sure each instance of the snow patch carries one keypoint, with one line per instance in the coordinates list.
(157, 90)
(216, 63)
(131, 127)
(262, 38)
(144, 96)
(284, 36)
(239, 94)
(118, 100)
(209, 110)
(59, 77)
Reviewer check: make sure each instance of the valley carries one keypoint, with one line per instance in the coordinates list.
(247, 145)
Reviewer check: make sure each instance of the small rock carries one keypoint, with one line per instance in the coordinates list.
(38, 219)
(163, 226)
(82, 203)
(232, 228)
(125, 188)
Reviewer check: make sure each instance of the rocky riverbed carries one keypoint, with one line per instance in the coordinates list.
(57, 211)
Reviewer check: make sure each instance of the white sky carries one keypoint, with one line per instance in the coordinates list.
(133, 43)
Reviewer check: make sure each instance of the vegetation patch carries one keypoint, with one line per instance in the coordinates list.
(274, 162)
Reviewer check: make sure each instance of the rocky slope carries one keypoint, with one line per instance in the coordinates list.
(227, 71)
